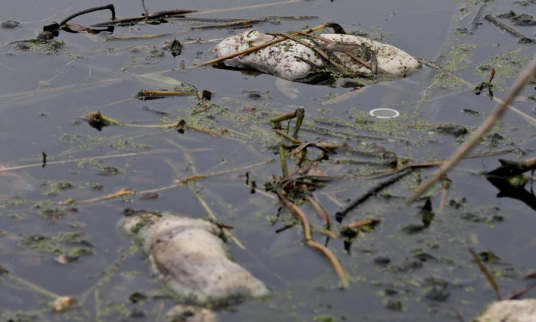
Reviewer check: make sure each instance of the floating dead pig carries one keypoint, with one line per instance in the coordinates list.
(191, 259)
(335, 59)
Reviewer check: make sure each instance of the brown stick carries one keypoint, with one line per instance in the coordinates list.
(296, 211)
(486, 273)
(319, 210)
(339, 216)
(288, 137)
(444, 188)
(334, 261)
(366, 222)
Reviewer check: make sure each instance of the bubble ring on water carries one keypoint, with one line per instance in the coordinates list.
(374, 113)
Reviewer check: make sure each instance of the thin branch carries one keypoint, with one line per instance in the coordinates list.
(339, 216)
(486, 273)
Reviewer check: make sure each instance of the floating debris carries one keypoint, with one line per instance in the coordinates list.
(63, 303)
(317, 58)
(522, 38)
(509, 311)
(9, 24)
(384, 113)
(174, 47)
(191, 259)
(189, 313)
(519, 19)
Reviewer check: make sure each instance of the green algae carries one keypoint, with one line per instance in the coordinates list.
(70, 244)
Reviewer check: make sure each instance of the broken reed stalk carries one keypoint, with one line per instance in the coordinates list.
(33, 165)
(297, 212)
(177, 182)
(269, 43)
(145, 9)
(520, 293)
(284, 117)
(34, 287)
(120, 193)
(421, 165)
(134, 20)
(102, 120)
(300, 115)
(257, 6)
(319, 210)
(106, 274)
(212, 216)
(148, 94)
(288, 137)
(283, 158)
(239, 23)
(339, 216)
(506, 28)
(226, 23)
(362, 223)
(97, 304)
(334, 261)
(444, 188)
(486, 273)
(83, 12)
(524, 77)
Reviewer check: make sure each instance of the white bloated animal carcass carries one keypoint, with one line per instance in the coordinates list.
(191, 259)
(293, 61)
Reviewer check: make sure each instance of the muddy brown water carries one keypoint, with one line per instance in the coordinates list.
(394, 275)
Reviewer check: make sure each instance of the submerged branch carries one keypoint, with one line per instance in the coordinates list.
(339, 216)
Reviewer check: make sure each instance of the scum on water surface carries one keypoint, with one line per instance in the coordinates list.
(411, 265)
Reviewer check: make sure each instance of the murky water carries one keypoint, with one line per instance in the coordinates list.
(394, 275)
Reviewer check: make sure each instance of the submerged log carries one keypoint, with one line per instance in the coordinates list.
(310, 57)
(191, 259)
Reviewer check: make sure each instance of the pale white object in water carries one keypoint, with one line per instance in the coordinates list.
(510, 311)
(191, 259)
(296, 62)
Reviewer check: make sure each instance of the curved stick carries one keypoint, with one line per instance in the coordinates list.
(83, 12)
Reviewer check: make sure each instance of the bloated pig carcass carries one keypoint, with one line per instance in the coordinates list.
(348, 56)
(191, 259)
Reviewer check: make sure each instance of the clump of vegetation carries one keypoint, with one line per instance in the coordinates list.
(71, 245)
